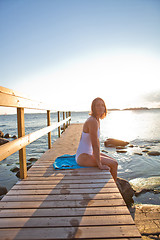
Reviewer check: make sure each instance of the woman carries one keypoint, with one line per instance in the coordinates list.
(88, 152)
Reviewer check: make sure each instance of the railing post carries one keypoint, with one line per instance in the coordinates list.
(49, 124)
(64, 125)
(59, 129)
(69, 116)
(22, 152)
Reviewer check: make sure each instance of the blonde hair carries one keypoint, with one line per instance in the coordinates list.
(93, 110)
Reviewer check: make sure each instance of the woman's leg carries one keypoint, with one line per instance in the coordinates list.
(86, 160)
(110, 162)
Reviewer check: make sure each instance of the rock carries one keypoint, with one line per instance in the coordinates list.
(28, 167)
(121, 151)
(1, 196)
(136, 153)
(144, 190)
(120, 147)
(14, 169)
(14, 136)
(18, 173)
(33, 159)
(153, 153)
(126, 190)
(146, 151)
(3, 141)
(1, 134)
(110, 145)
(115, 142)
(131, 146)
(146, 218)
(3, 190)
(104, 151)
(28, 163)
(7, 135)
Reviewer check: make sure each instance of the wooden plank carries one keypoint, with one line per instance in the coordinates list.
(80, 170)
(66, 186)
(63, 181)
(39, 178)
(62, 204)
(66, 221)
(70, 232)
(62, 212)
(11, 98)
(62, 197)
(62, 191)
(73, 173)
(51, 169)
(51, 173)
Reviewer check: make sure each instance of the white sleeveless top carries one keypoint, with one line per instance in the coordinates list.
(85, 145)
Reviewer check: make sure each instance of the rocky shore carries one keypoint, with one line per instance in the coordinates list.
(4, 137)
(146, 217)
(147, 220)
(121, 147)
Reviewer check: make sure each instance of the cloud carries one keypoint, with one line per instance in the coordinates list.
(152, 98)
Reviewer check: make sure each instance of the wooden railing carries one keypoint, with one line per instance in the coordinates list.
(10, 98)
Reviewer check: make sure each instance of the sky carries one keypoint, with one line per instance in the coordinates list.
(68, 52)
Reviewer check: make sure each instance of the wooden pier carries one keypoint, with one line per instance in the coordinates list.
(67, 204)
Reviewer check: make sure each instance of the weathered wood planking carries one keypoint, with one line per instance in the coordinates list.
(69, 204)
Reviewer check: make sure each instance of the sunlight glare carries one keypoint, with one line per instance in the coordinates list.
(120, 79)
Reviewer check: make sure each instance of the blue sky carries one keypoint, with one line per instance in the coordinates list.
(66, 52)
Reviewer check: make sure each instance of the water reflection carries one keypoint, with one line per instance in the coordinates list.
(131, 125)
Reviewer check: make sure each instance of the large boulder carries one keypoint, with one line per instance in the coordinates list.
(3, 190)
(126, 190)
(111, 142)
(3, 141)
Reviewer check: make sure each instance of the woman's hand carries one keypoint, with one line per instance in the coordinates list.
(103, 167)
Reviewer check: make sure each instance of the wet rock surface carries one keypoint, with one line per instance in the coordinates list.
(126, 190)
(125, 147)
(3, 141)
(147, 220)
(111, 142)
(153, 153)
(3, 190)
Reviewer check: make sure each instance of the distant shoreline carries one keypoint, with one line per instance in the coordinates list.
(78, 111)
(135, 108)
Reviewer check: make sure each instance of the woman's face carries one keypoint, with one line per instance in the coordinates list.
(99, 108)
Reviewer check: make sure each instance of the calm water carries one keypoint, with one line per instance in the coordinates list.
(141, 128)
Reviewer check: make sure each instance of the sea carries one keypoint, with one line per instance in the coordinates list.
(141, 128)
